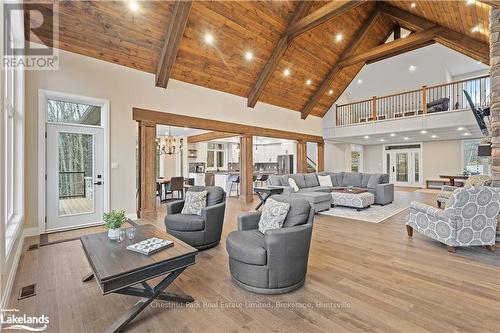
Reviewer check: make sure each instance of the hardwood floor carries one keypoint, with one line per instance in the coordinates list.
(361, 277)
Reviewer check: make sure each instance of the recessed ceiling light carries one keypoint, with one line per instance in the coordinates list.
(248, 55)
(133, 5)
(209, 39)
(413, 5)
(466, 134)
(382, 140)
(339, 37)
(406, 138)
(360, 81)
(286, 72)
(412, 68)
(330, 92)
(460, 129)
(476, 28)
(479, 62)
(393, 134)
(308, 82)
(366, 137)
(423, 132)
(434, 136)
(471, 2)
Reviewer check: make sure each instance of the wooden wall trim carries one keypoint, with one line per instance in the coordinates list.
(209, 136)
(171, 119)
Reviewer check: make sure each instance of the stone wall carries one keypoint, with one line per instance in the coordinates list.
(495, 96)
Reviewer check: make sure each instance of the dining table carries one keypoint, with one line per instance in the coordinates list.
(164, 181)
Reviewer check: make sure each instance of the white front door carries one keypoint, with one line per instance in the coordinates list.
(75, 170)
(403, 167)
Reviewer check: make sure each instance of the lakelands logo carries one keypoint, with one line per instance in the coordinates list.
(10, 319)
(31, 34)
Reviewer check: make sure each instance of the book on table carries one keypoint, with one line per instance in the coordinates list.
(150, 245)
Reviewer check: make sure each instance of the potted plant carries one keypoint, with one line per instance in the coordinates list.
(114, 221)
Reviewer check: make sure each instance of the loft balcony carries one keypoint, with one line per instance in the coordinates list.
(431, 107)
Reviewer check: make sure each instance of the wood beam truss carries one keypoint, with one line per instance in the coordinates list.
(209, 136)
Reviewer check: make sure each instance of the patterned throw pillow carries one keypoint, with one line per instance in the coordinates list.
(325, 181)
(273, 215)
(194, 203)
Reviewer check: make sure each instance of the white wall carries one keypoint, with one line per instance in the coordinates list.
(337, 156)
(372, 158)
(442, 157)
(126, 88)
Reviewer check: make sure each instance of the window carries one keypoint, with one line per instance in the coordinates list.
(215, 155)
(473, 164)
(73, 113)
(13, 140)
(356, 158)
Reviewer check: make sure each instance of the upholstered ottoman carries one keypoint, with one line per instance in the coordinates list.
(320, 200)
(355, 200)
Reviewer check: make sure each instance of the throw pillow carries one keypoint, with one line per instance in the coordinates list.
(325, 180)
(273, 215)
(293, 184)
(194, 202)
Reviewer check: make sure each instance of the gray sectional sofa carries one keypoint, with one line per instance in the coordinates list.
(376, 183)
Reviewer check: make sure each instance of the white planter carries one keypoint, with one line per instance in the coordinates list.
(113, 233)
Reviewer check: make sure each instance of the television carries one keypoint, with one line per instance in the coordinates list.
(484, 150)
(479, 114)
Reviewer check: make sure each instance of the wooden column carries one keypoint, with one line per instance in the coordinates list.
(321, 156)
(301, 156)
(424, 99)
(246, 168)
(147, 169)
(495, 98)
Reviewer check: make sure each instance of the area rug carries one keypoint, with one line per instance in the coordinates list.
(373, 214)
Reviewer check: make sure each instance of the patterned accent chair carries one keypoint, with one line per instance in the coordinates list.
(469, 219)
(447, 190)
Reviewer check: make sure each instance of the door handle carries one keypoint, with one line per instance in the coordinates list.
(98, 183)
(393, 169)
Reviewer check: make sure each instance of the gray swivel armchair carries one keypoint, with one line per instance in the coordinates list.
(200, 231)
(274, 262)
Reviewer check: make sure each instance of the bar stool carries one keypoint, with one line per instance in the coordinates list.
(262, 179)
(236, 182)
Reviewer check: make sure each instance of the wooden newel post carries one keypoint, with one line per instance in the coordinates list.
(147, 169)
(337, 119)
(246, 168)
(374, 108)
(424, 99)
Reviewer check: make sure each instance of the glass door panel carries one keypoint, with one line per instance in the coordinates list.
(402, 167)
(75, 173)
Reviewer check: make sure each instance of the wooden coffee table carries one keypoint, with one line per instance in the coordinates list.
(117, 269)
(354, 190)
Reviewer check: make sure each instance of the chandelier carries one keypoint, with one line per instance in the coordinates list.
(169, 145)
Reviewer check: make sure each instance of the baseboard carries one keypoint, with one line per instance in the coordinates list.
(132, 216)
(28, 232)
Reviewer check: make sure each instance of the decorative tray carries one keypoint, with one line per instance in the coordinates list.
(151, 245)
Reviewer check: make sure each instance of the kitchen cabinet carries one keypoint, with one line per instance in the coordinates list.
(199, 178)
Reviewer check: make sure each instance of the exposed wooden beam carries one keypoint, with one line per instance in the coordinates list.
(392, 48)
(171, 119)
(147, 169)
(321, 156)
(278, 52)
(397, 31)
(325, 13)
(491, 2)
(450, 38)
(172, 41)
(246, 168)
(357, 40)
(417, 46)
(209, 136)
(301, 156)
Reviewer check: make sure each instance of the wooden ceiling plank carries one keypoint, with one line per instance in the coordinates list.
(172, 42)
(278, 52)
(325, 13)
(357, 40)
(450, 38)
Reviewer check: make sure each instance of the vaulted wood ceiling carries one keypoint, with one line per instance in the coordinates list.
(112, 32)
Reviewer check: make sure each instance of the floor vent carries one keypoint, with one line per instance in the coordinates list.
(33, 247)
(27, 291)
